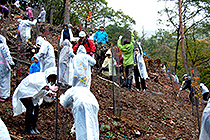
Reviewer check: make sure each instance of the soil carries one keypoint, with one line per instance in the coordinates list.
(155, 114)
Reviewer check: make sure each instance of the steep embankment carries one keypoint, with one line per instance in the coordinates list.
(139, 115)
(143, 115)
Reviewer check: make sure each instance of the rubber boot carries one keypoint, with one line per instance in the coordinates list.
(35, 119)
(129, 83)
(121, 82)
(126, 83)
(32, 132)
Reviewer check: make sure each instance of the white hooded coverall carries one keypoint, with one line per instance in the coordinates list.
(5, 70)
(82, 63)
(46, 54)
(25, 29)
(31, 86)
(42, 15)
(85, 112)
(66, 63)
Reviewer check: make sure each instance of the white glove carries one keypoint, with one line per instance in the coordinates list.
(15, 36)
(11, 62)
(51, 93)
(180, 89)
(120, 37)
(72, 130)
(53, 88)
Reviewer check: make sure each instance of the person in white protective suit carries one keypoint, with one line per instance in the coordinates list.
(42, 14)
(82, 63)
(25, 29)
(85, 112)
(139, 68)
(4, 133)
(29, 94)
(46, 54)
(17, 3)
(205, 92)
(205, 123)
(66, 63)
(5, 70)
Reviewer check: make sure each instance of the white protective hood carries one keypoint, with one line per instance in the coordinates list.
(141, 64)
(30, 87)
(4, 133)
(205, 123)
(82, 63)
(85, 111)
(3, 39)
(39, 41)
(108, 61)
(66, 63)
(204, 89)
(46, 54)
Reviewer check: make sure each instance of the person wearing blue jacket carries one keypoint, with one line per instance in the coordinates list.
(101, 39)
(101, 36)
(35, 67)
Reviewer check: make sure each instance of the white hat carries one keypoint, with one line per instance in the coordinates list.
(19, 20)
(82, 34)
(101, 26)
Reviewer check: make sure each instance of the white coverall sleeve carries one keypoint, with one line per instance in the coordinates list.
(3, 39)
(5, 52)
(71, 53)
(91, 61)
(42, 50)
(40, 14)
(66, 100)
(37, 98)
(32, 23)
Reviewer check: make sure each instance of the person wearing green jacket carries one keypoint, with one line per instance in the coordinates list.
(127, 49)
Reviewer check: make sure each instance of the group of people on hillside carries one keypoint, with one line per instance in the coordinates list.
(41, 82)
(74, 69)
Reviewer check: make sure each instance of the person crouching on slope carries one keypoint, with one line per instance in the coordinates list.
(29, 94)
(107, 65)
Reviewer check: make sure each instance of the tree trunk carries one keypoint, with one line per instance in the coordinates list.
(67, 12)
(176, 52)
(182, 39)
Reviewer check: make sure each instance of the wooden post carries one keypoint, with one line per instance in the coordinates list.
(197, 95)
(113, 80)
(58, 94)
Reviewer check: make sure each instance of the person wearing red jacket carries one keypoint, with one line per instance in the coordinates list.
(87, 43)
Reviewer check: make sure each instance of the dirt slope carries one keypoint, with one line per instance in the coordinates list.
(140, 115)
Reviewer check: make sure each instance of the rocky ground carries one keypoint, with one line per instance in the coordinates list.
(155, 114)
